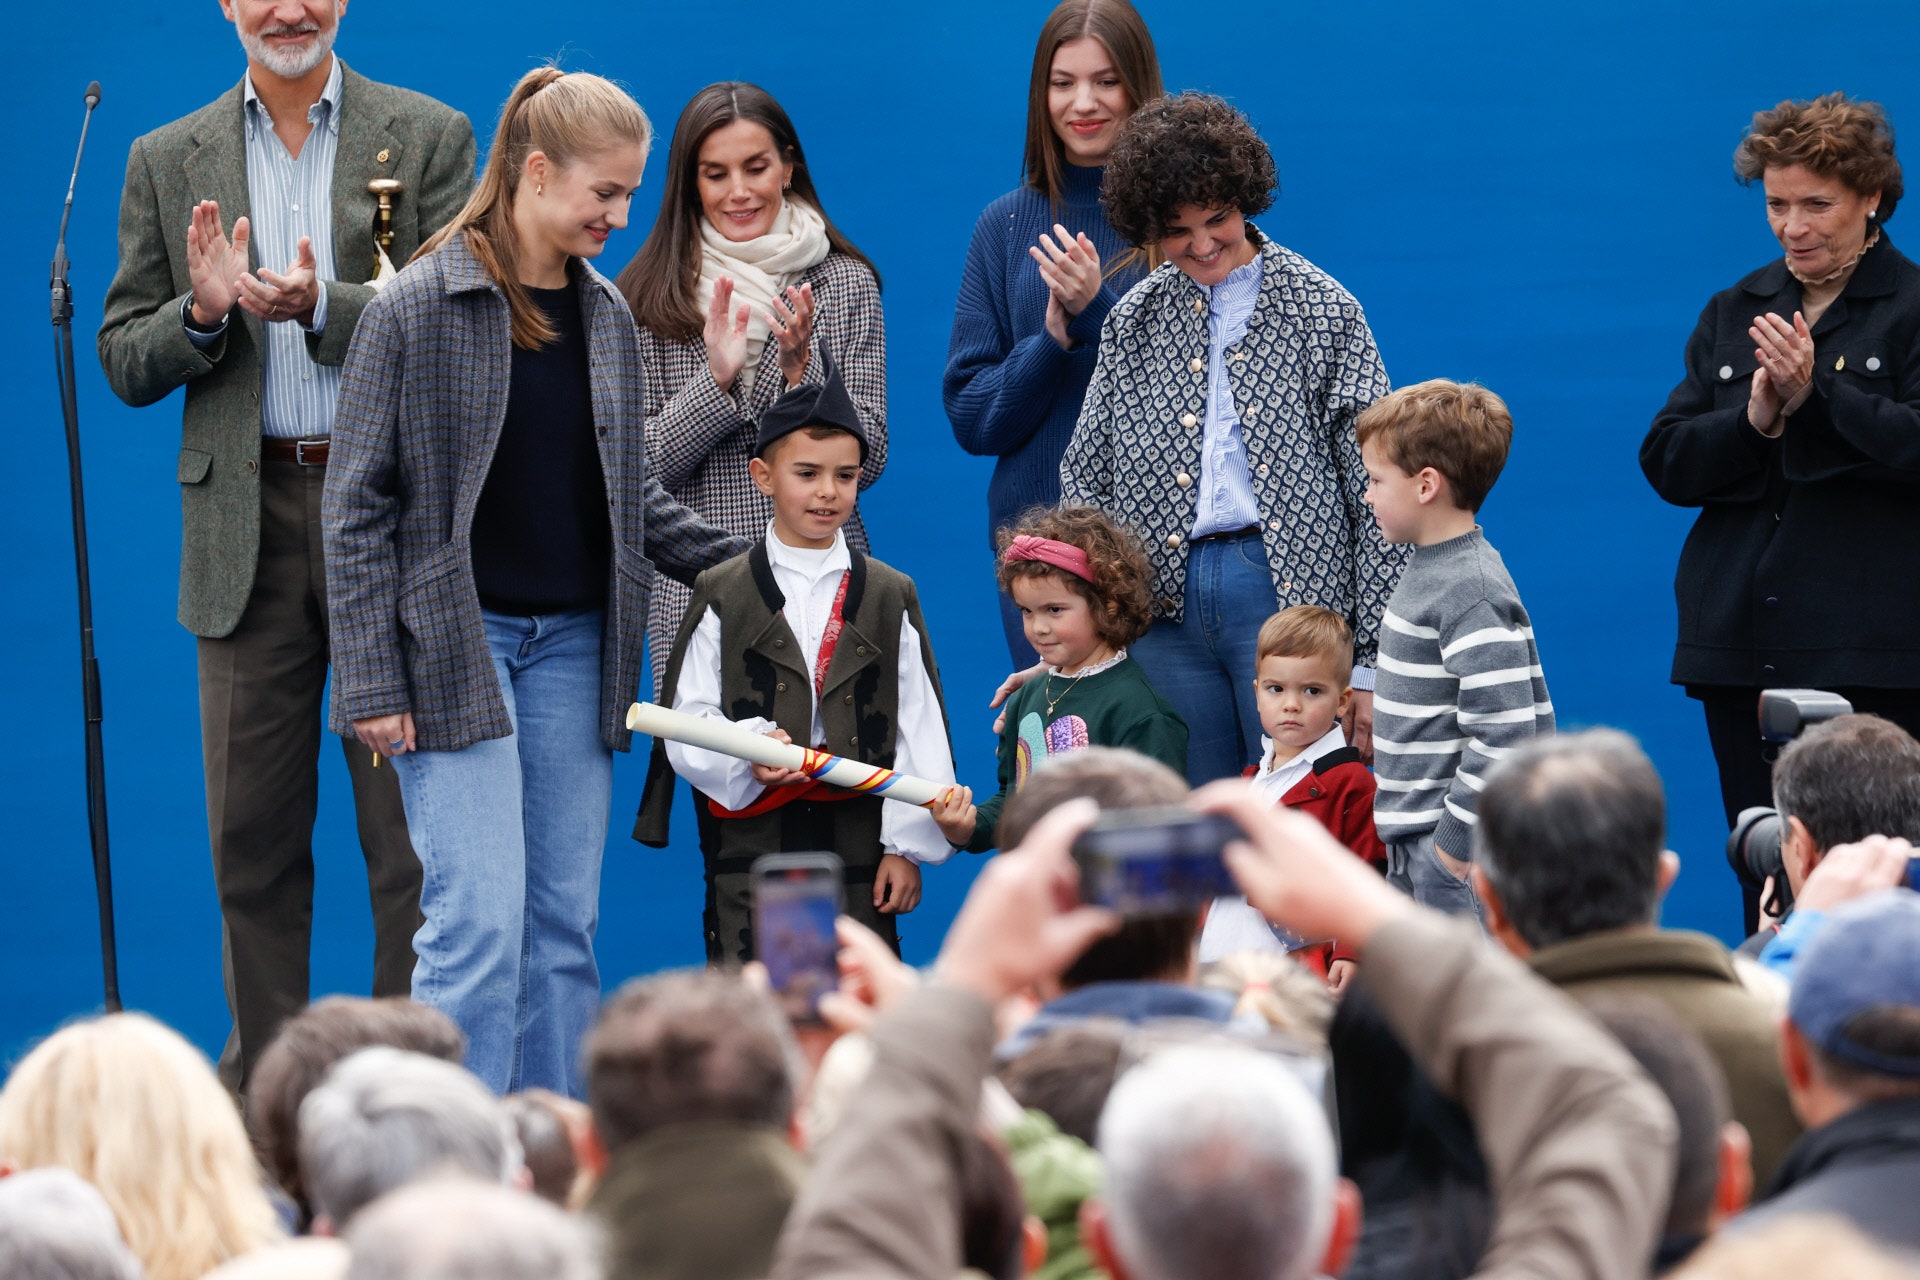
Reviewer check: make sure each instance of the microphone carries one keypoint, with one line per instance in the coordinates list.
(93, 95)
(62, 298)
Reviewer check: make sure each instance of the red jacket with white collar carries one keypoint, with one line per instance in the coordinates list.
(1338, 793)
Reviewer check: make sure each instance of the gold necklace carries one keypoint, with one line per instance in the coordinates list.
(1072, 680)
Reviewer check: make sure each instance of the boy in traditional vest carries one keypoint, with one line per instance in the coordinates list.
(805, 639)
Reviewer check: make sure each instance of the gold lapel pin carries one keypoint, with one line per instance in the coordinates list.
(384, 156)
(1839, 364)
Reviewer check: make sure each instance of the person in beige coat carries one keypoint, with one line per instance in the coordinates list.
(1579, 1145)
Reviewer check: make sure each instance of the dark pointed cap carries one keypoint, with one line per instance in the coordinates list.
(825, 404)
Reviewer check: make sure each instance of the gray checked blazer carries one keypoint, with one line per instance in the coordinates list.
(1300, 376)
(700, 438)
(422, 404)
(385, 132)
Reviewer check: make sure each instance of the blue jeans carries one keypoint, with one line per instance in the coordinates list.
(1204, 665)
(510, 834)
(1415, 870)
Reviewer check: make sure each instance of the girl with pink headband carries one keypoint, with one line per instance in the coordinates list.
(1084, 589)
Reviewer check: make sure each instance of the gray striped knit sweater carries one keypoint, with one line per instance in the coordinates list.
(1459, 687)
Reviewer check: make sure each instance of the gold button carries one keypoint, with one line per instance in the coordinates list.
(781, 687)
(1839, 364)
(1183, 480)
(848, 698)
(1173, 539)
(383, 157)
(1189, 421)
(1263, 468)
(1199, 307)
(1273, 524)
(1246, 416)
(1286, 586)
(1197, 364)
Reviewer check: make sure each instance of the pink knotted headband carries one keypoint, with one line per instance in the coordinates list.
(1061, 555)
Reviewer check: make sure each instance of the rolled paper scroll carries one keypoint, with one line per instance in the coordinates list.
(743, 744)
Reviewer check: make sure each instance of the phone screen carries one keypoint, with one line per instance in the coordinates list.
(797, 897)
(1154, 862)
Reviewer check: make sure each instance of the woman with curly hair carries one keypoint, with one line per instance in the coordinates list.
(136, 1111)
(1797, 433)
(1082, 585)
(1219, 425)
(1044, 267)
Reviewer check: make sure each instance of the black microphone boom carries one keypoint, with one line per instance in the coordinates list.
(89, 667)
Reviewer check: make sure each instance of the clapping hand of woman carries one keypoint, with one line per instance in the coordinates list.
(726, 335)
(1785, 353)
(1071, 268)
(791, 320)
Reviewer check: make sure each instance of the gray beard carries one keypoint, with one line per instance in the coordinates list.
(291, 63)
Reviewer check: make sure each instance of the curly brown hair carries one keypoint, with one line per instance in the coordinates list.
(1188, 149)
(1832, 136)
(1121, 593)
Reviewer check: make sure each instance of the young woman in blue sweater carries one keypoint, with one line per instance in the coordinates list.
(1044, 267)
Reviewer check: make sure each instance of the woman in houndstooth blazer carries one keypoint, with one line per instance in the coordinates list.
(743, 282)
(1219, 425)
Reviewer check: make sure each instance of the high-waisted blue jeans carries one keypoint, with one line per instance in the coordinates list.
(510, 834)
(1204, 664)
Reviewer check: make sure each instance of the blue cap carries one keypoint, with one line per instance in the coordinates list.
(1865, 958)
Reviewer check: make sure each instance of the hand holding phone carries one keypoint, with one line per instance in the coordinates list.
(796, 899)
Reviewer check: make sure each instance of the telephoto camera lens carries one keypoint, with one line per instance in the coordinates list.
(1753, 850)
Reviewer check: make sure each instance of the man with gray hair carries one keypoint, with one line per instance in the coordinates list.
(455, 1229)
(55, 1226)
(1219, 1163)
(385, 1117)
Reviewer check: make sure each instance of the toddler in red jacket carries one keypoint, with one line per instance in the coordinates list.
(1302, 668)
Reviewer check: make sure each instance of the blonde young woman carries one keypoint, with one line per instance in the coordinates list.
(136, 1111)
(742, 284)
(492, 524)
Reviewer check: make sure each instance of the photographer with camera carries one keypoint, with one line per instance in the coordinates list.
(1838, 783)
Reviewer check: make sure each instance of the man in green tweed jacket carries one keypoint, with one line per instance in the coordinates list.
(245, 231)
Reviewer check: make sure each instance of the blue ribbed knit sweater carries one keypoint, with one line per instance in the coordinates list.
(1011, 392)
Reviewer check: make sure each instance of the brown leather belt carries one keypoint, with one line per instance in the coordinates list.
(308, 453)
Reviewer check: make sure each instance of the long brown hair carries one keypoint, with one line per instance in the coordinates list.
(660, 283)
(1119, 27)
(565, 115)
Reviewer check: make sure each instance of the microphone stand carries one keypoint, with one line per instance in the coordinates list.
(89, 667)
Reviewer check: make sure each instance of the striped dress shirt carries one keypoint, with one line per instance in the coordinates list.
(292, 197)
(1460, 686)
(1226, 502)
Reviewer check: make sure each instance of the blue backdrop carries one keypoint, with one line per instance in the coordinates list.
(1535, 196)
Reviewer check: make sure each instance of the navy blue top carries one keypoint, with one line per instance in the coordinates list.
(542, 539)
(1011, 392)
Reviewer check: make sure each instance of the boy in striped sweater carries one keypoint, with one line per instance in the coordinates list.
(1459, 676)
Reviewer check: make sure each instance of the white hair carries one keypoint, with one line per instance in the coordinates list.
(55, 1226)
(384, 1117)
(452, 1229)
(1219, 1164)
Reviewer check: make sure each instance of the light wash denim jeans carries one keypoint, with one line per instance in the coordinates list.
(510, 834)
(1204, 665)
(1415, 870)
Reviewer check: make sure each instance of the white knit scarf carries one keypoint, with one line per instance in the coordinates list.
(762, 268)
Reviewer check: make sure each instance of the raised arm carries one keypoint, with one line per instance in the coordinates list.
(1695, 454)
(143, 341)
(360, 509)
(999, 388)
(446, 180)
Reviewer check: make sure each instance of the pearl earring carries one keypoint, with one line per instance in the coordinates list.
(539, 188)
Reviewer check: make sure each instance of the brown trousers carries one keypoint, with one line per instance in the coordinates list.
(262, 692)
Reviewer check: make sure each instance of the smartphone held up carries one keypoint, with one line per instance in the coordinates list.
(796, 899)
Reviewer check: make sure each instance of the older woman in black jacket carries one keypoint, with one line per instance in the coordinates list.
(1797, 434)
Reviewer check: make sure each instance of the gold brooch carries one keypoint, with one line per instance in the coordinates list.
(383, 157)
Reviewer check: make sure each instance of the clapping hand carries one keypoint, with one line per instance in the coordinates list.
(725, 334)
(278, 296)
(215, 264)
(1071, 267)
(791, 321)
(1785, 353)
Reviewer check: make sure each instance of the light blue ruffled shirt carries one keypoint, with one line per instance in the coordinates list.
(1226, 500)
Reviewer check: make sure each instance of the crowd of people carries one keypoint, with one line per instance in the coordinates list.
(1436, 1030)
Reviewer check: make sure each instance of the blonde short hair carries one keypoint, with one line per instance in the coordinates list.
(1460, 429)
(135, 1110)
(1307, 631)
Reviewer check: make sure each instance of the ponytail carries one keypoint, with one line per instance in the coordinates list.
(564, 115)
